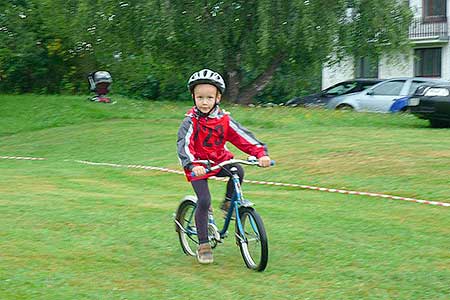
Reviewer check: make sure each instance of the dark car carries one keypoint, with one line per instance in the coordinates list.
(342, 88)
(432, 103)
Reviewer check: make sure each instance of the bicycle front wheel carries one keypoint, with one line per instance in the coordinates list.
(185, 225)
(252, 240)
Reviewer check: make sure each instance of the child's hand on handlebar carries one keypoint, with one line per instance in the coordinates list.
(264, 161)
(199, 171)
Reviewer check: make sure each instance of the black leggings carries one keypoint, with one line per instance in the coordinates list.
(204, 199)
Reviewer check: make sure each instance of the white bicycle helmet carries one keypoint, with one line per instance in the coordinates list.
(206, 76)
(102, 76)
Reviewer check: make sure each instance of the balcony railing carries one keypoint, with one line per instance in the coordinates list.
(429, 29)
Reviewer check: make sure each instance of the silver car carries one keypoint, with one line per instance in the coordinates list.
(380, 97)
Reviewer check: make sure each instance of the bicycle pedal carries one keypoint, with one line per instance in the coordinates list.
(213, 231)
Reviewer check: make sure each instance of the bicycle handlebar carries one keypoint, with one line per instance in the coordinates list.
(251, 161)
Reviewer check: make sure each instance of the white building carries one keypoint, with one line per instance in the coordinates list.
(429, 56)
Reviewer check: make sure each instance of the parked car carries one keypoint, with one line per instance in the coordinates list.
(342, 88)
(432, 103)
(380, 97)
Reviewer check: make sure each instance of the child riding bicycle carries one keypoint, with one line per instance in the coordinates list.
(202, 136)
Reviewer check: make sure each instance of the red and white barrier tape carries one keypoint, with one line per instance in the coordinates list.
(21, 158)
(128, 166)
(307, 187)
(315, 188)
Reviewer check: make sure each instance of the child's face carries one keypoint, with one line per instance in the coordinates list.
(206, 95)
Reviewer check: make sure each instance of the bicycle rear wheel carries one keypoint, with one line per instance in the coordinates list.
(253, 240)
(185, 225)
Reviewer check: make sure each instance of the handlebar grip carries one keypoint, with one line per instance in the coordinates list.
(272, 162)
(206, 169)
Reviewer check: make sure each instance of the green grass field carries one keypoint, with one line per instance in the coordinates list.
(73, 231)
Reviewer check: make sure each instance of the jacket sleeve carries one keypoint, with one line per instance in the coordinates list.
(185, 147)
(242, 138)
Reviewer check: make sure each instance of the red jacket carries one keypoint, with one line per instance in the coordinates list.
(201, 138)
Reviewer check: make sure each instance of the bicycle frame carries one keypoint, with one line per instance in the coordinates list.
(236, 201)
(250, 234)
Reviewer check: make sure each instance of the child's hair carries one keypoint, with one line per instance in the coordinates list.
(206, 76)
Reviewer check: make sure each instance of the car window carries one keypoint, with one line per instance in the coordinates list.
(341, 88)
(389, 88)
(367, 85)
(415, 85)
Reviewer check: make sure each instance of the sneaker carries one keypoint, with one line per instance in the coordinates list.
(204, 254)
(225, 206)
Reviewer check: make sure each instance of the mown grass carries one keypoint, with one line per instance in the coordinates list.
(71, 231)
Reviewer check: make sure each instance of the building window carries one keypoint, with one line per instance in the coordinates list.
(427, 62)
(434, 10)
(366, 67)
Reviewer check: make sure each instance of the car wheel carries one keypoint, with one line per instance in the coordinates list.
(345, 107)
(438, 123)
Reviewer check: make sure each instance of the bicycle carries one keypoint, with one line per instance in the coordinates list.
(250, 233)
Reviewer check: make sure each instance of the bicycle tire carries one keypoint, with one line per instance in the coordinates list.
(188, 233)
(253, 244)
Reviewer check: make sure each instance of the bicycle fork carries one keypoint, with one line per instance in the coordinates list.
(239, 200)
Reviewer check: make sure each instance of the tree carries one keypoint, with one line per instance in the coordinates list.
(51, 45)
(249, 40)
(152, 46)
